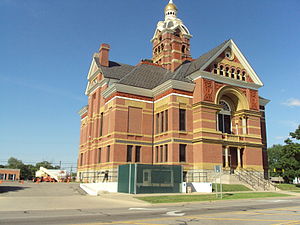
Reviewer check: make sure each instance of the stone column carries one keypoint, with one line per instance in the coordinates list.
(226, 157)
(239, 157)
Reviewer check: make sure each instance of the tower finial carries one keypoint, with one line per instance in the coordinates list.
(171, 1)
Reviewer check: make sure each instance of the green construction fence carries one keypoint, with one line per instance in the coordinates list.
(143, 178)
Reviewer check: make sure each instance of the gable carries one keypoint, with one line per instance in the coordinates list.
(227, 64)
(93, 69)
(230, 62)
(91, 77)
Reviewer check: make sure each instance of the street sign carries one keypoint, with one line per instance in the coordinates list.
(218, 168)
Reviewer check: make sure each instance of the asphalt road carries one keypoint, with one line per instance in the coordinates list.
(273, 211)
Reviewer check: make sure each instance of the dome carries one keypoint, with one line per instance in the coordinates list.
(171, 6)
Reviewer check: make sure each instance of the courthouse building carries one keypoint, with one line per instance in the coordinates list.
(173, 109)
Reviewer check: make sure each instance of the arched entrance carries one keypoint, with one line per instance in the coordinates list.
(232, 102)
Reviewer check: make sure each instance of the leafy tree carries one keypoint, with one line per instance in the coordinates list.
(274, 155)
(46, 165)
(27, 171)
(14, 163)
(286, 157)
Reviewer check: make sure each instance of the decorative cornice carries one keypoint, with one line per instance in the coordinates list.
(83, 110)
(170, 84)
(126, 89)
(173, 84)
(96, 86)
(263, 101)
(222, 79)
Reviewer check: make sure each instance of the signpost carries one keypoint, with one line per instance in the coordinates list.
(218, 171)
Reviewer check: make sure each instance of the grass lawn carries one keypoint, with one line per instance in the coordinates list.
(208, 197)
(231, 187)
(289, 187)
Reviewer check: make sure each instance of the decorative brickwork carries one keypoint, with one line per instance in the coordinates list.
(208, 90)
(169, 111)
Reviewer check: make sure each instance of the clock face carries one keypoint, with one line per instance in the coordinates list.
(229, 55)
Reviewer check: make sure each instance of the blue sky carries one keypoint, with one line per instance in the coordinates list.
(46, 49)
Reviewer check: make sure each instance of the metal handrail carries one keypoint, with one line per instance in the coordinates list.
(252, 177)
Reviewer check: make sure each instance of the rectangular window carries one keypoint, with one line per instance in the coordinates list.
(135, 117)
(227, 124)
(224, 122)
(220, 123)
(161, 153)
(157, 123)
(129, 153)
(137, 153)
(162, 122)
(81, 159)
(182, 118)
(10, 177)
(166, 121)
(108, 154)
(166, 153)
(101, 124)
(182, 153)
(156, 154)
(99, 155)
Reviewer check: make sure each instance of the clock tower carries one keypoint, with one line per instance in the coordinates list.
(171, 40)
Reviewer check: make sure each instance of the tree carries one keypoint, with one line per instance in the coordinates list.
(46, 165)
(14, 163)
(286, 159)
(274, 156)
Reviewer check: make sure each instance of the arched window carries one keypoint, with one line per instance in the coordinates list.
(221, 70)
(232, 72)
(224, 118)
(227, 71)
(238, 72)
(215, 68)
(244, 76)
(183, 49)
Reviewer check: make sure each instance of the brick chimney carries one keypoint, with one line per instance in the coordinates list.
(104, 55)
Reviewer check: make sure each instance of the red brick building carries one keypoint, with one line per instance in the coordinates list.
(173, 109)
(9, 174)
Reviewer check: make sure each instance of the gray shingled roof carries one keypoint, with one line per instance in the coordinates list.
(145, 76)
(150, 76)
(198, 63)
(115, 70)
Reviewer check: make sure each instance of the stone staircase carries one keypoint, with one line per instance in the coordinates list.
(254, 179)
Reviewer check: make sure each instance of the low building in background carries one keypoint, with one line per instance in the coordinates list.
(9, 174)
(51, 174)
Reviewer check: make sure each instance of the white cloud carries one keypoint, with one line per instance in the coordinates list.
(292, 102)
(280, 137)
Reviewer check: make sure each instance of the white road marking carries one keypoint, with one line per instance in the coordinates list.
(148, 209)
(275, 200)
(175, 213)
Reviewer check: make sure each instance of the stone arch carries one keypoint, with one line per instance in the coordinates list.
(234, 97)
